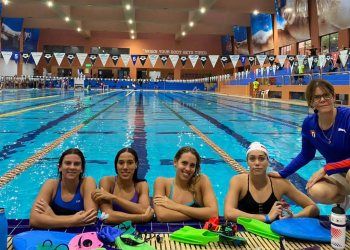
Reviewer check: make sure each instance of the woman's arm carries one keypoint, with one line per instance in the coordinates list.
(164, 214)
(310, 209)
(89, 186)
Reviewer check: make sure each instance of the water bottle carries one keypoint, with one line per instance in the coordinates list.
(338, 227)
(3, 229)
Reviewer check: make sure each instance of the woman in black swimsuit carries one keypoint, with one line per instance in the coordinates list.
(257, 196)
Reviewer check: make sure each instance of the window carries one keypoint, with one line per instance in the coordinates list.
(330, 41)
(112, 51)
(303, 47)
(285, 50)
(268, 52)
(63, 49)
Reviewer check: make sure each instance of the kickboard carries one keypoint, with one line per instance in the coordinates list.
(302, 228)
(32, 239)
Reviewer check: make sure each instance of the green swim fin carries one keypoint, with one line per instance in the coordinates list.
(259, 228)
(121, 245)
(194, 236)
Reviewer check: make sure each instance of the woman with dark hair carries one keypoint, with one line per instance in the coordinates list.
(189, 195)
(328, 131)
(124, 197)
(66, 202)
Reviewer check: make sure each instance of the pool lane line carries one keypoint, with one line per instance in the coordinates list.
(29, 99)
(11, 174)
(49, 105)
(228, 159)
(295, 178)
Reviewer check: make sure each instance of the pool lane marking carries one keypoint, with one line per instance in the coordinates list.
(49, 105)
(29, 99)
(11, 174)
(228, 159)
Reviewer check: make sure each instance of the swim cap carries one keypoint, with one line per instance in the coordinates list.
(257, 146)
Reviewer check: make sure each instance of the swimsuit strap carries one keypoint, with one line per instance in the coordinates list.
(271, 184)
(171, 192)
(248, 182)
(115, 182)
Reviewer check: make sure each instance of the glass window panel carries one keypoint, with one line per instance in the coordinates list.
(333, 42)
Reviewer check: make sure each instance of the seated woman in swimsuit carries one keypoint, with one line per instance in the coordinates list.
(124, 197)
(257, 196)
(66, 202)
(189, 195)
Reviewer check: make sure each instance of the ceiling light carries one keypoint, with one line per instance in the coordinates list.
(202, 10)
(128, 6)
(5, 2)
(130, 21)
(132, 31)
(184, 33)
(191, 24)
(103, 51)
(99, 47)
(78, 29)
(255, 12)
(67, 19)
(49, 3)
(132, 37)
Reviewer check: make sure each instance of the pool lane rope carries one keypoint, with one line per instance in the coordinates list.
(30, 99)
(228, 159)
(11, 174)
(49, 105)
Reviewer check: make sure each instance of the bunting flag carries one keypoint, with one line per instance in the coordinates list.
(103, 58)
(328, 60)
(174, 59)
(261, 59)
(183, 60)
(164, 59)
(277, 67)
(48, 57)
(315, 61)
(291, 60)
(143, 59)
(224, 60)
(193, 59)
(81, 58)
(251, 60)
(274, 69)
(243, 58)
(281, 59)
(306, 63)
(153, 59)
(300, 59)
(234, 60)
(322, 59)
(203, 60)
(59, 57)
(271, 59)
(343, 55)
(36, 56)
(93, 58)
(25, 56)
(134, 59)
(213, 59)
(125, 59)
(16, 56)
(70, 57)
(335, 57)
(115, 59)
(310, 61)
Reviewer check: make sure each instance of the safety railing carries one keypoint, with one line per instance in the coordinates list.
(337, 73)
(296, 75)
(269, 77)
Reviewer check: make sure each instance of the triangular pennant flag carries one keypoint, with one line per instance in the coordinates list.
(224, 60)
(234, 60)
(243, 58)
(343, 55)
(59, 57)
(251, 60)
(261, 59)
(25, 56)
(36, 56)
(81, 58)
(93, 58)
(310, 61)
(193, 59)
(329, 59)
(300, 59)
(48, 57)
(306, 63)
(103, 58)
(153, 59)
(271, 59)
(183, 60)
(16, 56)
(335, 57)
(134, 59)
(174, 59)
(164, 59)
(322, 59)
(274, 69)
(281, 59)
(115, 59)
(125, 58)
(203, 60)
(315, 61)
(143, 59)
(213, 59)
(291, 60)
(71, 57)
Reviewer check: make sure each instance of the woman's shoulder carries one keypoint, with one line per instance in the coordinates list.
(51, 183)
(163, 180)
(281, 183)
(88, 180)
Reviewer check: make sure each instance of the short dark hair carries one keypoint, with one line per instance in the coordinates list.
(136, 158)
(72, 151)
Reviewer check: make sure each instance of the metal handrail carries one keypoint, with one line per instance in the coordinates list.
(292, 75)
(268, 78)
(337, 73)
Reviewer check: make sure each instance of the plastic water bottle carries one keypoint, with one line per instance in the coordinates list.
(338, 227)
(3, 229)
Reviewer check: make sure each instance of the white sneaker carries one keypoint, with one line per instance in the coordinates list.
(346, 204)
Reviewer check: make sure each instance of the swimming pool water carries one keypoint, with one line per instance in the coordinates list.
(141, 121)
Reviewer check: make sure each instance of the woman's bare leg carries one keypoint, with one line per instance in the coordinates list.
(327, 191)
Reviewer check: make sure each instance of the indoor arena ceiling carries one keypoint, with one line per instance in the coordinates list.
(209, 17)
